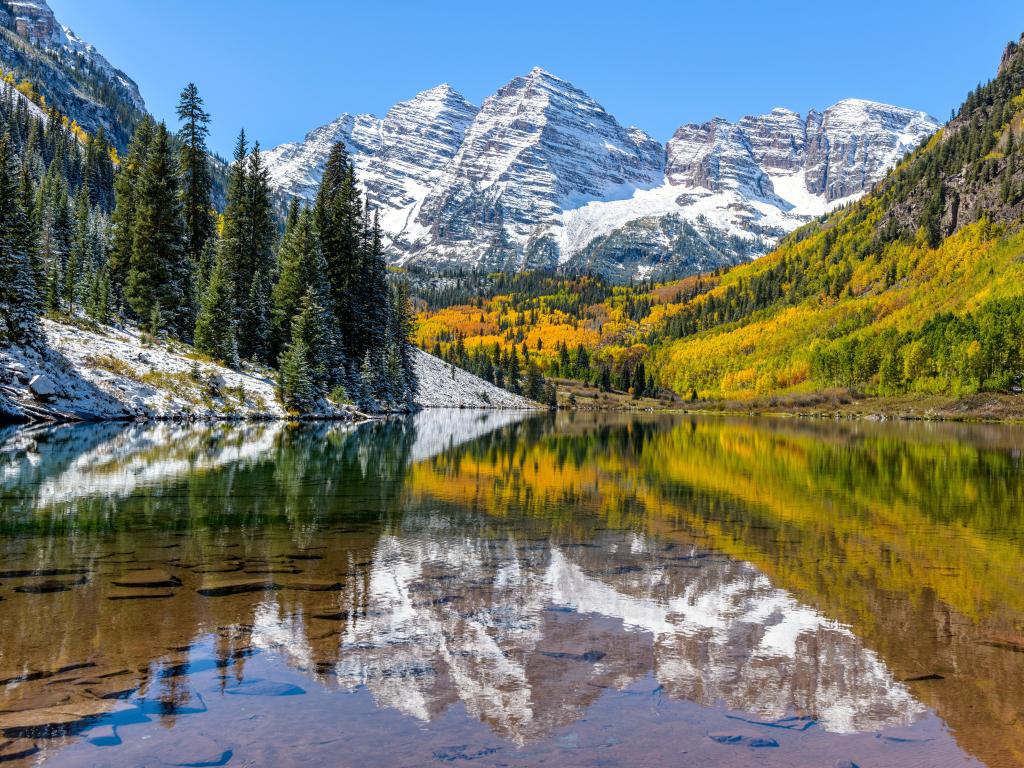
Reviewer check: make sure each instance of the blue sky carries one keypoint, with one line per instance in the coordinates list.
(282, 68)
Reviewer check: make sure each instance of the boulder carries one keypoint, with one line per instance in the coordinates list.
(42, 387)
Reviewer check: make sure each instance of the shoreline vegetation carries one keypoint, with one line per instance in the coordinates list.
(837, 403)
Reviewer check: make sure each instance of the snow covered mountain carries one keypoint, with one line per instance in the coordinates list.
(69, 72)
(541, 176)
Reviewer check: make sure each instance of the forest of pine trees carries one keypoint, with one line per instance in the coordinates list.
(139, 240)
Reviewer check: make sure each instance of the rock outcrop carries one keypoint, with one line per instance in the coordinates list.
(67, 71)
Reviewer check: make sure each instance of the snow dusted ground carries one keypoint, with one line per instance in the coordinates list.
(112, 373)
(442, 386)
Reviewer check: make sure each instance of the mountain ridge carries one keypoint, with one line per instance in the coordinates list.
(542, 176)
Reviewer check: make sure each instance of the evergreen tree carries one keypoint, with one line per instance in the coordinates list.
(255, 273)
(338, 218)
(196, 181)
(215, 325)
(401, 329)
(18, 301)
(294, 385)
(301, 268)
(27, 227)
(235, 240)
(373, 295)
(534, 387)
(80, 257)
(159, 270)
(122, 219)
(256, 330)
(303, 374)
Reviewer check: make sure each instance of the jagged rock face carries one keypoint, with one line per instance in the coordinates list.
(856, 141)
(537, 147)
(716, 156)
(842, 151)
(398, 159)
(55, 68)
(542, 176)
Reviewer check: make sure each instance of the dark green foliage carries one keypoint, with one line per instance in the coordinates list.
(122, 220)
(159, 270)
(216, 326)
(981, 350)
(301, 268)
(18, 298)
(196, 181)
(295, 387)
(338, 216)
(305, 363)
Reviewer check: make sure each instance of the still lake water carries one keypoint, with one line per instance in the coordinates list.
(493, 589)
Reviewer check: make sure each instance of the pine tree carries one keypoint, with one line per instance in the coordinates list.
(27, 227)
(401, 324)
(80, 267)
(301, 268)
(534, 386)
(235, 239)
(255, 281)
(303, 375)
(196, 181)
(338, 218)
(294, 385)
(18, 302)
(122, 220)
(98, 173)
(56, 234)
(375, 301)
(256, 329)
(160, 270)
(215, 325)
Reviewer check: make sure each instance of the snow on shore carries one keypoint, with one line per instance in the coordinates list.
(97, 373)
(443, 386)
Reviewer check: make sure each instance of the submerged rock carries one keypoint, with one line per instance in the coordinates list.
(150, 579)
(237, 588)
(49, 586)
(264, 688)
(16, 749)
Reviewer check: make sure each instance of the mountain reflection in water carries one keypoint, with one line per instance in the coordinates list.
(512, 589)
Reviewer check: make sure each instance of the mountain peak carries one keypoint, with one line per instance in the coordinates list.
(443, 95)
(541, 175)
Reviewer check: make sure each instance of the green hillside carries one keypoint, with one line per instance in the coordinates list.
(919, 287)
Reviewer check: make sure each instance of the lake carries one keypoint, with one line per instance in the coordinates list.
(511, 589)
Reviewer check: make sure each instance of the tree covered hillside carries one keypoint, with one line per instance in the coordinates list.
(88, 237)
(918, 287)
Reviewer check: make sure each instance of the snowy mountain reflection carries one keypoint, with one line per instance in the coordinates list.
(525, 573)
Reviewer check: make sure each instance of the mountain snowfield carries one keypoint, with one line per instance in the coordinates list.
(541, 176)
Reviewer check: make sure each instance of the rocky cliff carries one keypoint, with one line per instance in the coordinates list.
(67, 71)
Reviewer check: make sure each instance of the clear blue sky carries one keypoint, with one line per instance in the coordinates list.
(282, 68)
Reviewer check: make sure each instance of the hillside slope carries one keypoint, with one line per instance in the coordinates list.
(69, 73)
(919, 287)
(100, 372)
